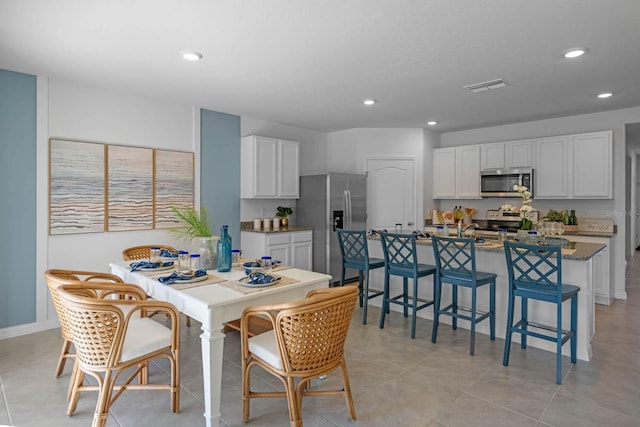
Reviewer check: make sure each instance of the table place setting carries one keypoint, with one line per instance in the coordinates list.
(153, 267)
(256, 282)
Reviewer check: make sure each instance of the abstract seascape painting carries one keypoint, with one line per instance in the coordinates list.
(76, 187)
(130, 188)
(173, 186)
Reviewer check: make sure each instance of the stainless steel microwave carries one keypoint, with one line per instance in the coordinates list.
(499, 183)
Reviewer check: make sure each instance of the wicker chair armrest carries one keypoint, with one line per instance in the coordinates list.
(107, 277)
(102, 290)
(153, 306)
(333, 292)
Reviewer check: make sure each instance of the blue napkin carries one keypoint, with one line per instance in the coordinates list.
(259, 278)
(135, 266)
(166, 253)
(176, 275)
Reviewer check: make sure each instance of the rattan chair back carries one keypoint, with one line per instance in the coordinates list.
(142, 252)
(57, 277)
(99, 328)
(310, 335)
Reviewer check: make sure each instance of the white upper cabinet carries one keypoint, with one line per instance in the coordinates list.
(270, 168)
(505, 155)
(444, 173)
(456, 172)
(574, 166)
(592, 163)
(289, 171)
(518, 154)
(553, 164)
(492, 156)
(468, 172)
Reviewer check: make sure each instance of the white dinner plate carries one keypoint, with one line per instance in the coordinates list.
(160, 268)
(191, 280)
(246, 282)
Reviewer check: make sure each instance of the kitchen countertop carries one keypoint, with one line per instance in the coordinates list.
(290, 229)
(579, 251)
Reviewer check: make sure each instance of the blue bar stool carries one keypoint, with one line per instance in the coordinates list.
(355, 255)
(535, 272)
(400, 260)
(456, 265)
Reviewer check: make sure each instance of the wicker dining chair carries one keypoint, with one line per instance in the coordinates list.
(110, 341)
(57, 277)
(307, 341)
(142, 252)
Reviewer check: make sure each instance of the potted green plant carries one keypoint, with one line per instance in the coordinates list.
(283, 213)
(198, 230)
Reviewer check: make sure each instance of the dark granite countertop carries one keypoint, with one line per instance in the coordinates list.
(290, 229)
(578, 251)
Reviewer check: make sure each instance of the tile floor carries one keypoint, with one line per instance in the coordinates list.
(395, 381)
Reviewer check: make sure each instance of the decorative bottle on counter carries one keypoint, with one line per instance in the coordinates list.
(573, 220)
(224, 250)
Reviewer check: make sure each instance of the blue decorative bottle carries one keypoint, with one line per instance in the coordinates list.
(224, 250)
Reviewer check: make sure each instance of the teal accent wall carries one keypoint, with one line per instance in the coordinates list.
(220, 170)
(18, 195)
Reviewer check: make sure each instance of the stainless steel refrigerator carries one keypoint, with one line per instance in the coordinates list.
(328, 202)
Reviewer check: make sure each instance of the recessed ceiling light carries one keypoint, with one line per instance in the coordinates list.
(368, 101)
(191, 55)
(605, 95)
(575, 52)
(432, 123)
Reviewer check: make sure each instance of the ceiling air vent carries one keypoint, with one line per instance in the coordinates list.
(481, 87)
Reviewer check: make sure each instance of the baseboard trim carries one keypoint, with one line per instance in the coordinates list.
(29, 328)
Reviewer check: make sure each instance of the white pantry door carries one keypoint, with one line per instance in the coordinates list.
(391, 193)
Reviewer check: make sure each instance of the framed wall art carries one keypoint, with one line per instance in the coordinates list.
(129, 188)
(173, 172)
(76, 187)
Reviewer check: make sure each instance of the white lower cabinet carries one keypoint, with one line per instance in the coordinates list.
(294, 248)
(602, 280)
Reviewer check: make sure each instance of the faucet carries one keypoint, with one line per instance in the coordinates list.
(463, 229)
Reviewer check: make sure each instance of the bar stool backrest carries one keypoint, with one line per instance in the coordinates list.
(399, 252)
(353, 246)
(455, 258)
(535, 269)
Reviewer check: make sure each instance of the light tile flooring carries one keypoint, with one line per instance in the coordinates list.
(395, 380)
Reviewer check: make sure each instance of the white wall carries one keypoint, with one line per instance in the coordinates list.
(610, 120)
(106, 116)
(348, 150)
(313, 161)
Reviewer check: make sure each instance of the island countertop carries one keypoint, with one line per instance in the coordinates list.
(580, 264)
(578, 251)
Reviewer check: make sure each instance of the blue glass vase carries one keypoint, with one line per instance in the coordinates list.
(224, 250)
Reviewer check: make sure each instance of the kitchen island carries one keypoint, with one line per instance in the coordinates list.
(578, 268)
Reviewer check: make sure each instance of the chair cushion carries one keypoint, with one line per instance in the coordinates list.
(144, 336)
(265, 347)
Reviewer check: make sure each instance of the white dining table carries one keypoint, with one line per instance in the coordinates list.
(213, 305)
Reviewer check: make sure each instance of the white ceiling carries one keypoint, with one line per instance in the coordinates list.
(310, 63)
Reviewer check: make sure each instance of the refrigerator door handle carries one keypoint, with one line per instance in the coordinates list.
(349, 218)
(345, 200)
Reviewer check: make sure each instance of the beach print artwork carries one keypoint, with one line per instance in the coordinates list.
(173, 186)
(76, 187)
(130, 188)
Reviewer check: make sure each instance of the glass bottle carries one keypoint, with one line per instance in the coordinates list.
(572, 218)
(224, 250)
